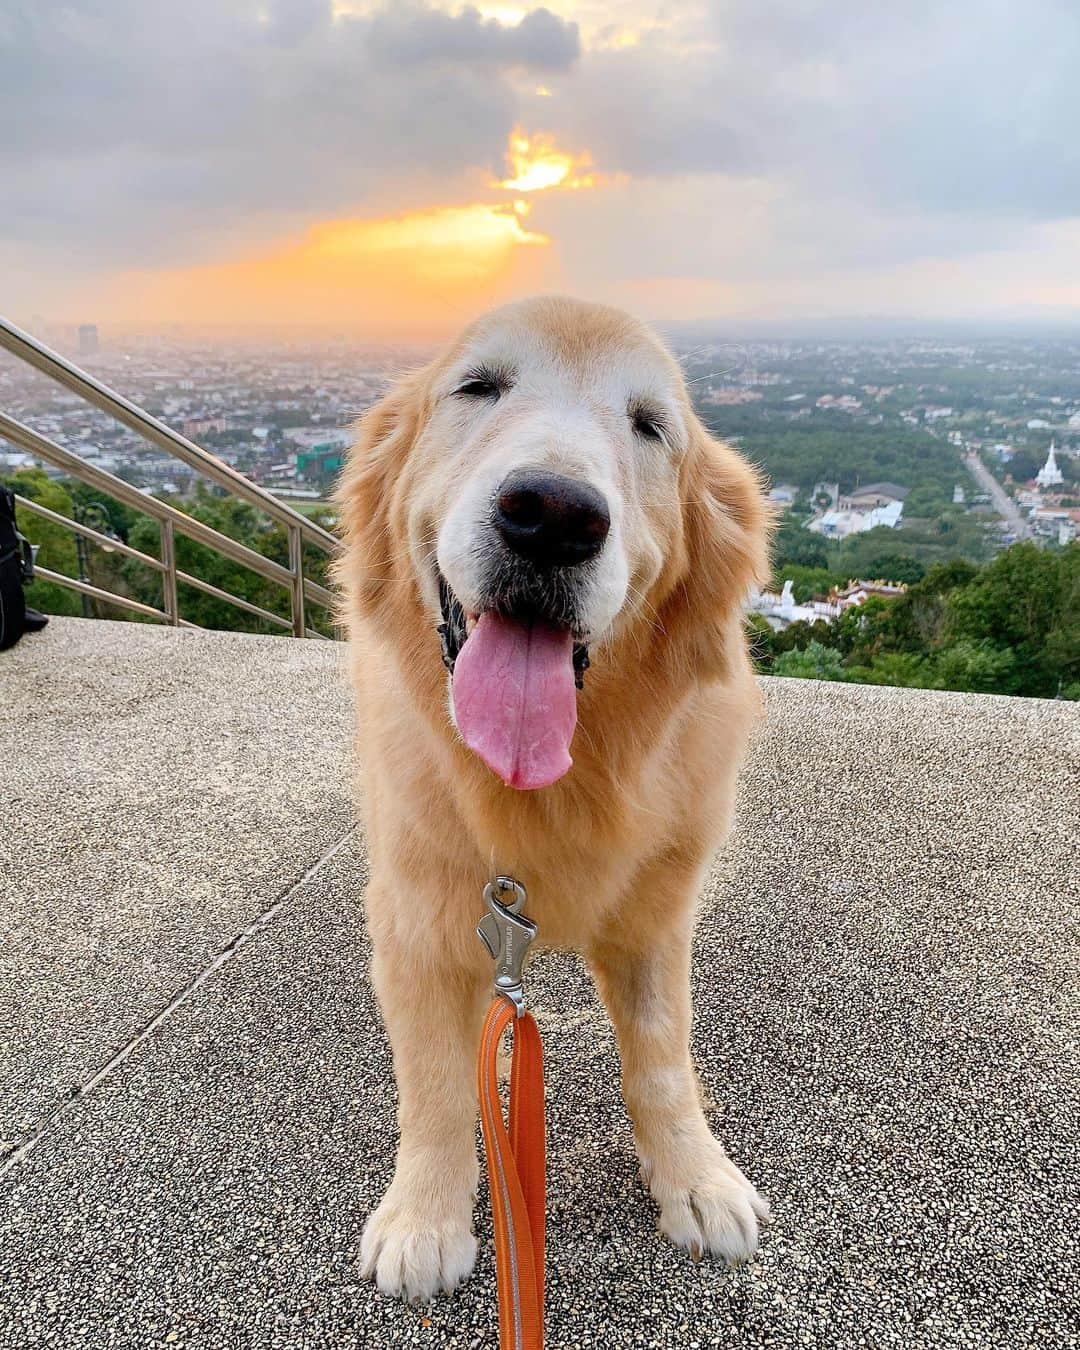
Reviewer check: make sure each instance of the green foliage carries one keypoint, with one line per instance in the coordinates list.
(1011, 626)
(57, 550)
(928, 499)
(893, 567)
(979, 667)
(833, 447)
(814, 662)
(238, 521)
(864, 631)
(951, 535)
(1028, 602)
(895, 668)
(793, 544)
(806, 582)
(1024, 465)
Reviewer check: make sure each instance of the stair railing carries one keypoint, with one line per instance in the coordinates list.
(171, 520)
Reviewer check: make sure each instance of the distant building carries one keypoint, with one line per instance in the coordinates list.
(88, 339)
(1059, 521)
(195, 427)
(839, 402)
(873, 494)
(781, 610)
(1050, 475)
(829, 491)
(838, 524)
(783, 495)
(321, 461)
(858, 592)
(958, 495)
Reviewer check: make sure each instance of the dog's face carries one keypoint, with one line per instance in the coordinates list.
(540, 491)
(551, 458)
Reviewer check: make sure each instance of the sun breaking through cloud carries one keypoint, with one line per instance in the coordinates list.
(536, 164)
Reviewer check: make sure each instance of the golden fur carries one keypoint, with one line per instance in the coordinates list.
(612, 854)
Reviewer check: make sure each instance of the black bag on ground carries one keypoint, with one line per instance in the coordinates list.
(16, 567)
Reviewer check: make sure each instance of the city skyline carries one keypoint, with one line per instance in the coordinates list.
(390, 170)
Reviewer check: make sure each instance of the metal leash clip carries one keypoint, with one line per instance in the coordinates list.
(506, 933)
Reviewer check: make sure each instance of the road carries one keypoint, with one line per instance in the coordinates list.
(1006, 507)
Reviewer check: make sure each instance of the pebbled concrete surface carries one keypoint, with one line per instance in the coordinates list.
(886, 1028)
(161, 787)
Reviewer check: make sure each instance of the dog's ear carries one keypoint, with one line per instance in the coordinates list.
(373, 562)
(726, 528)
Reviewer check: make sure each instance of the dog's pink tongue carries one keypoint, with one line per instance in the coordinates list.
(514, 699)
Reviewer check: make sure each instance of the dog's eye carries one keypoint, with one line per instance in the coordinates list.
(647, 424)
(483, 384)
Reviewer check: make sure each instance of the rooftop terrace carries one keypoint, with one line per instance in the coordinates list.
(196, 1104)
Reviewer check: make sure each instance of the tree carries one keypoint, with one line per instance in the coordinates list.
(796, 545)
(976, 667)
(905, 669)
(806, 582)
(894, 567)
(1023, 466)
(816, 662)
(864, 631)
(1026, 601)
(56, 545)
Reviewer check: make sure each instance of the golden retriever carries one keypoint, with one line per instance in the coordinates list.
(543, 499)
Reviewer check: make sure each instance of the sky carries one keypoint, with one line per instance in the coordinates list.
(391, 169)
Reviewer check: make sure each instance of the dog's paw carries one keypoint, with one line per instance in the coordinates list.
(410, 1256)
(707, 1205)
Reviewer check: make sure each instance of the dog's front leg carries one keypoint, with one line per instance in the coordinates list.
(419, 1241)
(706, 1204)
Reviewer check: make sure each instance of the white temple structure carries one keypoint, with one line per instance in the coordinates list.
(1049, 475)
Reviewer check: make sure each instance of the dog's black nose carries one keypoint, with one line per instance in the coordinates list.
(550, 519)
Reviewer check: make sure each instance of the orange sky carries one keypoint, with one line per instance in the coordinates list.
(421, 271)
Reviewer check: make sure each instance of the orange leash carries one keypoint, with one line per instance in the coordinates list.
(516, 1164)
(515, 1157)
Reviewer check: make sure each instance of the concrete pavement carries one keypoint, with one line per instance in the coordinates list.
(196, 1095)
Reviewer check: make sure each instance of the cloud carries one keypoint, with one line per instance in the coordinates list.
(961, 107)
(411, 35)
(739, 147)
(136, 132)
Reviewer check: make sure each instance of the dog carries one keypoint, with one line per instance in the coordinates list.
(546, 557)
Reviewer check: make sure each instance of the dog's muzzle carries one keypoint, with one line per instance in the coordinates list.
(453, 630)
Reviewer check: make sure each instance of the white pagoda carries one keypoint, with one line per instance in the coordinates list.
(1049, 475)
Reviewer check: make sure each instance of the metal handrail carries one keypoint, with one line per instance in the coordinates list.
(170, 519)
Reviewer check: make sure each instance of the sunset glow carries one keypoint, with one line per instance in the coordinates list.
(537, 164)
(398, 271)
(401, 268)
(444, 241)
